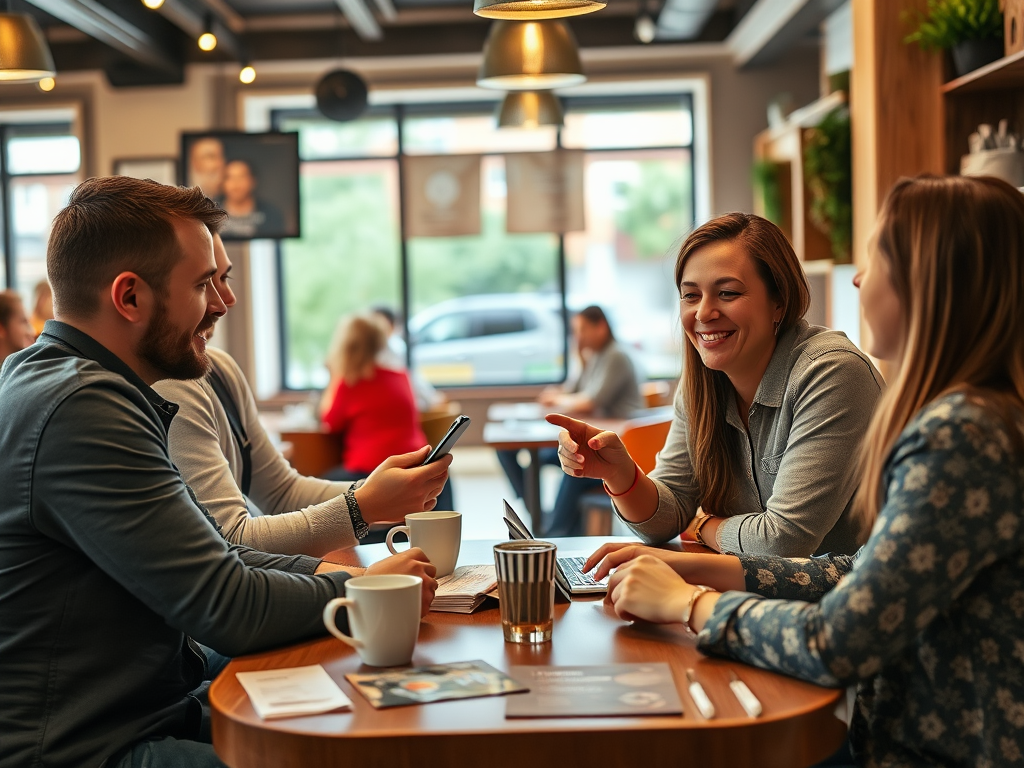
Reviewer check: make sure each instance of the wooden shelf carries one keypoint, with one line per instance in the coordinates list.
(1007, 72)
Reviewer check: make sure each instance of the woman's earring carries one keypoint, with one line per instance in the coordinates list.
(778, 324)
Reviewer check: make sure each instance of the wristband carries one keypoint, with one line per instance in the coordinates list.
(636, 479)
(359, 526)
(691, 604)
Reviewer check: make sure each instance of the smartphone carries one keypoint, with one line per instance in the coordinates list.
(445, 445)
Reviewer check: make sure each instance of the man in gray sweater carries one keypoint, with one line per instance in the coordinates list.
(108, 565)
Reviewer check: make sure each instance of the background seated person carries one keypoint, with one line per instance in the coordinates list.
(926, 620)
(767, 415)
(109, 568)
(394, 356)
(42, 306)
(371, 405)
(15, 328)
(301, 515)
(606, 387)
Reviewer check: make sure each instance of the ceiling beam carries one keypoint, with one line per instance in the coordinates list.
(772, 27)
(109, 27)
(361, 19)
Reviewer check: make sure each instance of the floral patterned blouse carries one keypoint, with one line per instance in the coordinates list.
(927, 618)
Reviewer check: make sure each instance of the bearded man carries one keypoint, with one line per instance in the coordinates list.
(108, 566)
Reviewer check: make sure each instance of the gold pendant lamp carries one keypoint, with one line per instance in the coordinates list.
(529, 109)
(530, 55)
(524, 10)
(24, 55)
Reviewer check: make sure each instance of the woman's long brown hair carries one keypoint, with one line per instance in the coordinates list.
(955, 250)
(704, 390)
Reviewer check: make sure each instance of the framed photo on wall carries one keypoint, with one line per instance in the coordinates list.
(161, 169)
(252, 176)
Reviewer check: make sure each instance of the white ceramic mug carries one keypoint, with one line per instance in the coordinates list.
(438, 534)
(383, 616)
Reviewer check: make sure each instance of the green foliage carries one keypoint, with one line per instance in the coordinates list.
(346, 260)
(950, 22)
(829, 176)
(655, 210)
(766, 186)
(442, 268)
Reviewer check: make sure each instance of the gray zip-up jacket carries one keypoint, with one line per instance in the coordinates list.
(108, 565)
(795, 467)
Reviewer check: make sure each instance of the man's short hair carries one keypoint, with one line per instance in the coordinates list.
(9, 300)
(118, 224)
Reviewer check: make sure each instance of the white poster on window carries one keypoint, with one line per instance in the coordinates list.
(545, 191)
(442, 195)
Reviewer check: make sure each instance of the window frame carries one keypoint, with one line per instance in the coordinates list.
(685, 98)
(19, 129)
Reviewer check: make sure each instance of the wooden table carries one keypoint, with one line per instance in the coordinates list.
(521, 426)
(798, 727)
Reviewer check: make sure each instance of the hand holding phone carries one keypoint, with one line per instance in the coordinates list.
(445, 445)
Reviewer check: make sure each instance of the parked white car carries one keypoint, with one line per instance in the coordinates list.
(504, 338)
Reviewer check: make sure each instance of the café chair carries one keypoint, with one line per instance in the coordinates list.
(643, 437)
(435, 423)
(313, 453)
(656, 393)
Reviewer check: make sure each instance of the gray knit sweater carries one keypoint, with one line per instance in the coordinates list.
(301, 514)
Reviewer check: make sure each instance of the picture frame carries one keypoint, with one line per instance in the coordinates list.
(252, 176)
(160, 169)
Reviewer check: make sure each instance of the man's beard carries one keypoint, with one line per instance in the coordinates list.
(174, 353)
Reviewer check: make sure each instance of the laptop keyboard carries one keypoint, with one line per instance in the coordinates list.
(573, 569)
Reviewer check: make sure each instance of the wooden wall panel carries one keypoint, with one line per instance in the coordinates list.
(896, 109)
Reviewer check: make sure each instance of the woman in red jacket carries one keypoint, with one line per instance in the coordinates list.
(372, 406)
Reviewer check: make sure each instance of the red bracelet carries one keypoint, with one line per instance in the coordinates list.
(636, 478)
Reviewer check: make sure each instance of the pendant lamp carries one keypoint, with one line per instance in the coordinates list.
(529, 109)
(24, 55)
(530, 55)
(523, 10)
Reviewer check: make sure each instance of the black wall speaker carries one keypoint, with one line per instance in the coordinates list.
(341, 95)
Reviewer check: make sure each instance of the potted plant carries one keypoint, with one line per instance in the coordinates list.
(972, 30)
(828, 170)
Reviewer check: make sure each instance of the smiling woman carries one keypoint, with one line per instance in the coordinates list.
(768, 412)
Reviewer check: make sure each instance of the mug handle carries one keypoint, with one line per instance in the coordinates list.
(391, 536)
(330, 610)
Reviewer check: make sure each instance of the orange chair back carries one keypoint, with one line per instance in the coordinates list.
(313, 453)
(644, 438)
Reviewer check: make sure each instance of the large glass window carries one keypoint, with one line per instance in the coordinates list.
(40, 168)
(488, 308)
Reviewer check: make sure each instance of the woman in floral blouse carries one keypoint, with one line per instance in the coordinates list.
(928, 618)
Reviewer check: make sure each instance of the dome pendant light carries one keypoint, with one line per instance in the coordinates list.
(524, 10)
(24, 55)
(529, 109)
(530, 56)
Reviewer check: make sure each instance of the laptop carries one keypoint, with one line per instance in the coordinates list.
(569, 573)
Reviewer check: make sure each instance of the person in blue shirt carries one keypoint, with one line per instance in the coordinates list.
(927, 618)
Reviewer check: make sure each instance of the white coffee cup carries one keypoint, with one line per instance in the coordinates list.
(383, 616)
(438, 534)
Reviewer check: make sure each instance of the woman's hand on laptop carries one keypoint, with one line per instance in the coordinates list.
(586, 451)
(722, 572)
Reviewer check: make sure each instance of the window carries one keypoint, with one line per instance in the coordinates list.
(489, 308)
(39, 168)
